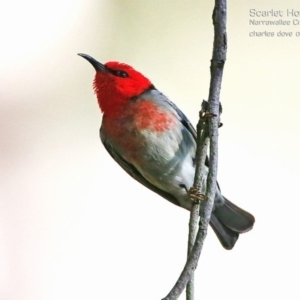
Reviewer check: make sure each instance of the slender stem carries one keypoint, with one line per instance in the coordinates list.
(217, 65)
(199, 185)
(194, 216)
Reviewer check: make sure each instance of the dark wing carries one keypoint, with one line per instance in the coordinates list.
(184, 120)
(133, 172)
(187, 124)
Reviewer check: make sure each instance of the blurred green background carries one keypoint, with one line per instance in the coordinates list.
(73, 225)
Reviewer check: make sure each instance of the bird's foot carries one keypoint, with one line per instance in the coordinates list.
(205, 114)
(196, 196)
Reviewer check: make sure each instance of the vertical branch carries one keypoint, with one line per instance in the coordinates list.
(216, 69)
(194, 216)
(206, 205)
(198, 187)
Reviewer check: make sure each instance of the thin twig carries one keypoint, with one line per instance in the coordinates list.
(217, 65)
(198, 186)
(194, 216)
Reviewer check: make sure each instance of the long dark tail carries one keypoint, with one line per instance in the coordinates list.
(228, 221)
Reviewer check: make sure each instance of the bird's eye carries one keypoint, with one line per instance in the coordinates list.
(120, 73)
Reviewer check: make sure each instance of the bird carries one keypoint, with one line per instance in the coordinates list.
(155, 143)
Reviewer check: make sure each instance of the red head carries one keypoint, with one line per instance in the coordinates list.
(115, 84)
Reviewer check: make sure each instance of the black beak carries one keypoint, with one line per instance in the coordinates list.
(98, 66)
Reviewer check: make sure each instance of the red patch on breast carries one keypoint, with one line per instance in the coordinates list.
(149, 116)
(124, 131)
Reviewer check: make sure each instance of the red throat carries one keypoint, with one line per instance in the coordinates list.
(109, 100)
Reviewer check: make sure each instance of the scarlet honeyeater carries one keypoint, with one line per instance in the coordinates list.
(154, 142)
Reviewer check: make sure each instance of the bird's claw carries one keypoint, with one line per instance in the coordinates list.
(196, 196)
(206, 114)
